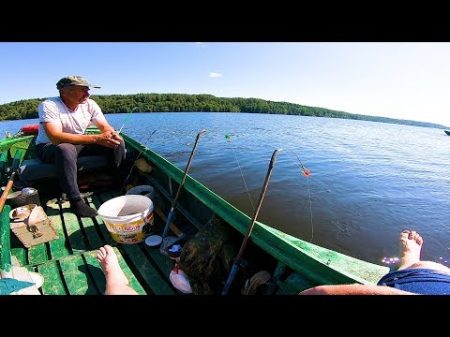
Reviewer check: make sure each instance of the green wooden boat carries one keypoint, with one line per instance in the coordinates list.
(68, 263)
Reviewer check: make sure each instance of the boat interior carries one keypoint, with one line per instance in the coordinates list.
(68, 263)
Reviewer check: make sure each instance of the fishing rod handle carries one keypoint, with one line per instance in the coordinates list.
(230, 279)
(168, 221)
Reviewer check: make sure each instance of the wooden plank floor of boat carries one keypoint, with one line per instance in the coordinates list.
(69, 266)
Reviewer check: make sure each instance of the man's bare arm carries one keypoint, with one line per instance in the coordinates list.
(57, 136)
(354, 289)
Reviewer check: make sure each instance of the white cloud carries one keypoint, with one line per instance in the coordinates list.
(215, 75)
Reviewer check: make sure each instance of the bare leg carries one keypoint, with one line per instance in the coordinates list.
(410, 248)
(353, 289)
(116, 281)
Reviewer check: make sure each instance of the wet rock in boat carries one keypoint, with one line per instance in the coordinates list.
(207, 258)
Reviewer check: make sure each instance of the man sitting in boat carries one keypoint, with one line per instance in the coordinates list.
(412, 277)
(61, 138)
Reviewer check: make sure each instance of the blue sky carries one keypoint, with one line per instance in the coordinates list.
(398, 80)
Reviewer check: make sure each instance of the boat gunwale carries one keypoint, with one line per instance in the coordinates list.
(281, 248)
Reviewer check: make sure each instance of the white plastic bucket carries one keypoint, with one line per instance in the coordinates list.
(126, 216)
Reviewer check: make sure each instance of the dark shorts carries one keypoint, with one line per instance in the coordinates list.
(418, 281)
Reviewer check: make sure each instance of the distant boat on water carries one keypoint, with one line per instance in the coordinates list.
(447, 132)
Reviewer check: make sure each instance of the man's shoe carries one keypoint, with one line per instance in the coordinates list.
(81, 209)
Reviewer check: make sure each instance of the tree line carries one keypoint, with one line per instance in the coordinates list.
(153, 102)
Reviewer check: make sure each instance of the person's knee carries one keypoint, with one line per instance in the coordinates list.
(431, 265)
(66, 150)
(66, 147)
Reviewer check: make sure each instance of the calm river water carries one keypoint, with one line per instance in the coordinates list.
(368, 182)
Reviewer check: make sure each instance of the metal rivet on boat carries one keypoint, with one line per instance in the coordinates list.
(153, 240)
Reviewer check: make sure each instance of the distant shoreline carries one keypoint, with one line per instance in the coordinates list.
(152, 102)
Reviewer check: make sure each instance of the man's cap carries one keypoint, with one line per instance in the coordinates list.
(74, 80)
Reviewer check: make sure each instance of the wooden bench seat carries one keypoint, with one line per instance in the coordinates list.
(32, 170)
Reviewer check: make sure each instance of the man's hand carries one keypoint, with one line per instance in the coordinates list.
(108, 139)
(115, 135)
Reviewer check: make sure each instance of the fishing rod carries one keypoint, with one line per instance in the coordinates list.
(127, 118)
(6, 191)
(135, 161)
(175, 200)
(237, 260)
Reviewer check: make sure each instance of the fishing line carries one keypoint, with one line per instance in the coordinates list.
(144, 147)
(125, 121)
(238, 259)
(307, 173)
(228, 138)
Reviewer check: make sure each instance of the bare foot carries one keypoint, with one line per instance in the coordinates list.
(110, 265)
(410, 248)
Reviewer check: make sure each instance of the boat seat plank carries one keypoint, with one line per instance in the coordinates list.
(95, 269)
(164, 263)
(58, 247)
(37, 254)
(31, 170)
(20, 254)
(149, 273)
(76, 276)
(53, 283)
(92, 236)
(73, 229)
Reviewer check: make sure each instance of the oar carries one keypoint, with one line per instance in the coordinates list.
(6, 191)
(175, 200)
(237, 261)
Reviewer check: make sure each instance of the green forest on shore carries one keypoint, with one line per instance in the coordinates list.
(148, 103)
